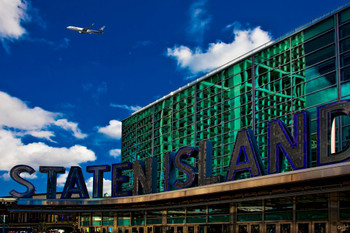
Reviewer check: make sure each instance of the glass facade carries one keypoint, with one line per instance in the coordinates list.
(300, 72)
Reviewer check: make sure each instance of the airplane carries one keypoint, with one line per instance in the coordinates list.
(86, 30)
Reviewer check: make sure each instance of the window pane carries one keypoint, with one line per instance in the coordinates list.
(344, 16)
(318, 28)
(345, 59)
(320, 83)
(320, 69)
(344, 30)
(321, 97)
(345, 74)
(345, 45)
(319, 42)
(320, 55)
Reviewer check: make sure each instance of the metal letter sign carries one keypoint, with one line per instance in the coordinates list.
(75, 184)
(281, 142)
(245, 157)
(118, 179)
(145, 183)
(51, 179)
(190, 171)
(15, 175)
(245, 145)
(97, 188)
(205, 164)
(169, 171)
(325, 116)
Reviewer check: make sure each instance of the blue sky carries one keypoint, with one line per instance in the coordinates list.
(63, 94)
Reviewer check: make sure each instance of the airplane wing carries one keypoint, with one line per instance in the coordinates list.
(87, 28)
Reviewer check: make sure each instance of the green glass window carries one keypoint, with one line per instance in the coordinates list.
(85, 220)
(176, 216)
(138, 218)
(345, 45)
(279, 209)
(108, 219)
(320, 83)
(219, 218)
(344, 31)
(319, 42)
(249, 211)
(312, 207)
(151, 221)
(318, 28)
(123, 219)
(312, 215)
(96, 220)
(344, 204)
(154, 217)
(345, 59)
(345, 86)
(320, 55)
(344, 16)
(321, 97)
(319, 69)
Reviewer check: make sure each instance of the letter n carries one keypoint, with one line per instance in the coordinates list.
(145, 183)
(281, 143)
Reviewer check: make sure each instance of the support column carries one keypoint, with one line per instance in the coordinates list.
(333, 211)
(115, 222)
(164, 221)
(233, 214)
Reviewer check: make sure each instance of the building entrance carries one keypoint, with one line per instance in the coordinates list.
(312, 227)
(268, 227)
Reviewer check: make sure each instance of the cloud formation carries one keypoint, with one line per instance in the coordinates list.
(71, 126)
(15, 114)
(217, 54)
(116, 153)
(12, 14)
(127, 107)
(199, 21)
(14, 152)
(18, 120)
(113, 130)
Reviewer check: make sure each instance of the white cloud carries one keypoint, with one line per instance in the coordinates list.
(14, 152)
(106, 186)
(123, 106)
(115, 153)
(14, 113)
(113, 130)
(12, 14)
(61, 179)
(42, 134)
(199, 20)
(219, 53)
(71, 126)
(6, 176)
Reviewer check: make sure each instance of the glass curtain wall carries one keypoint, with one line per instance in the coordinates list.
(301, 72)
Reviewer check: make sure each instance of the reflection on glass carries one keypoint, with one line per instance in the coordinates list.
(285, 228)
(320, 227)
(243, 229)
(270, 228)
(255, 229)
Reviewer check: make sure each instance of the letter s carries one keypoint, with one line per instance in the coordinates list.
(15, 175)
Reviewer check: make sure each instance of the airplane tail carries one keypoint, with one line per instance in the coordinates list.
(102, 28)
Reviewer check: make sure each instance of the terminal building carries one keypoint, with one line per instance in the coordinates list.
(306, 69)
